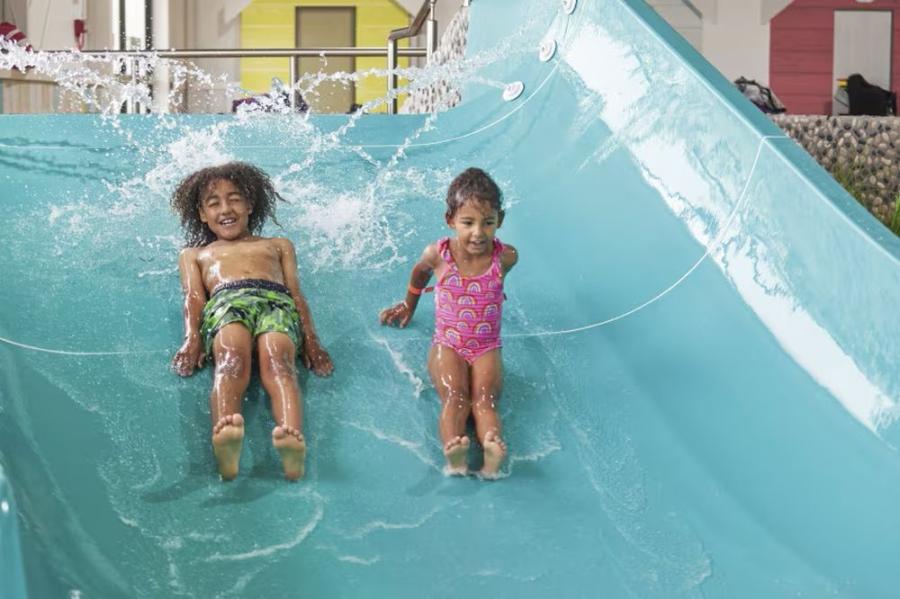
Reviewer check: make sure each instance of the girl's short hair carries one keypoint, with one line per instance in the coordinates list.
(253, 183)
(473, 184)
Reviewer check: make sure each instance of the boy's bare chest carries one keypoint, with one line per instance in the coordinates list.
(241, 260)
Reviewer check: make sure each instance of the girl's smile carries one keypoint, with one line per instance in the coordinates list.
(476, 224)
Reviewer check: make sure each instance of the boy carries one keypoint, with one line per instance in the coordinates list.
(254, 303)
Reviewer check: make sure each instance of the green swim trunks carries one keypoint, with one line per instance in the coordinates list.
(261, 306)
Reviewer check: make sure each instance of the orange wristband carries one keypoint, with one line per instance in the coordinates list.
(414, 290)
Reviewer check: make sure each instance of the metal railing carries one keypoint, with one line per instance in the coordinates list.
(392, 52)
(425, 16)
(292, 54)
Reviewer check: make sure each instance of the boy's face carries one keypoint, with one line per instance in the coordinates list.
(225, 210)
(476, 224)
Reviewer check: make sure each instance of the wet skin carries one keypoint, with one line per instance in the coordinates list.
(465, 390)
(236, 254)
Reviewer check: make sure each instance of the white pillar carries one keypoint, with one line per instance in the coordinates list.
(161, 86)
(102, 29)
(207, 29)
(16, 12)
(736, 42)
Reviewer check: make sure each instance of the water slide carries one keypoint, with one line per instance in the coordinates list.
(701, 346)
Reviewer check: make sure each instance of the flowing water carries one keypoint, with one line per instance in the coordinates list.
(700, 342)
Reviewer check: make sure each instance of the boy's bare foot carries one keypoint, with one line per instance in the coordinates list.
(494, 452)
(291, 447)
(457, 450)
(228, 435)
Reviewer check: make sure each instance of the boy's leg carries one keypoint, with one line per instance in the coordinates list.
(232, 354)
(487, 383)
(450, 376)
(278, 372)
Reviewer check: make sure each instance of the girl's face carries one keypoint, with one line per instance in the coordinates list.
(225, 210)
(476, 224)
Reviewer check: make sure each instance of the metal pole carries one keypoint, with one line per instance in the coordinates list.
(392, 75)
(260, 53)
(431, 34)
(292, 78)
(148, 25)
(123, 42)
(131, 104)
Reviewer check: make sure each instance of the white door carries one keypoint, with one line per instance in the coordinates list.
(327, 27)
(862, 44)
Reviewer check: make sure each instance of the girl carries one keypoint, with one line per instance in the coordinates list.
(465, 362)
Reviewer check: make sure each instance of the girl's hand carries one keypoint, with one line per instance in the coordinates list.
(396, 316)
(189, 356)
(315, 358)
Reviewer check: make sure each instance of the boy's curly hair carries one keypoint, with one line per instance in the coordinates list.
(253, 183)
(473, 184)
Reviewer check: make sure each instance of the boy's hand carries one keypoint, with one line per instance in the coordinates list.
(396, 316)
(189, 357)
(315, 358)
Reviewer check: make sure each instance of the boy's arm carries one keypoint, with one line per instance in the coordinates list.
(190, 355)
(314, 355)
(400, 314)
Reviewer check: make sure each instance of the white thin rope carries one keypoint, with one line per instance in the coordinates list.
(482, 129)
(519, 105)
(712, 246)
(64, 352)
(709, 249)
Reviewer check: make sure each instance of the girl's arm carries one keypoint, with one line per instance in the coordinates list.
(314, 355)
(400, 314)
(508, 258)
(190, 355)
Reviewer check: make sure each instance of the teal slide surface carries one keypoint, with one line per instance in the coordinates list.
(701, 347)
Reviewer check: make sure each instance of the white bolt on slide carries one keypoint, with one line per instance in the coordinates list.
(568, 6)
(513, 90)
(547, 50)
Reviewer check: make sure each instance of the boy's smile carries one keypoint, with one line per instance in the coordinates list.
(225, 210)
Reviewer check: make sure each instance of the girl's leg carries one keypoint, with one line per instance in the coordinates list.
(450, 376)
(232, 353)
(278, 372)
(487, 384)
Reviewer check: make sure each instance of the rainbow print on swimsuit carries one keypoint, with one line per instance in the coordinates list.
(460, 302)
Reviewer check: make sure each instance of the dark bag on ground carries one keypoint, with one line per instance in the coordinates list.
(760, 95)
(866, 98)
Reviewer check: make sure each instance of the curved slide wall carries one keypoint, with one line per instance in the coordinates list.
(701, 346)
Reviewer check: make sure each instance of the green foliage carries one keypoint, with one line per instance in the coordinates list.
(849, 181)
(856, 185)
(895, 218)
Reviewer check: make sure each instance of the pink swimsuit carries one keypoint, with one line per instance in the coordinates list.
(467, 310)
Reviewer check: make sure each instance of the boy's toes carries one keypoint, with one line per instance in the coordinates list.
(291, 446)
(228, 436)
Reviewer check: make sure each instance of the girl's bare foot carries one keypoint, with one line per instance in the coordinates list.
(457, 450)
(291, 447)
(494, 452)
(228, 435)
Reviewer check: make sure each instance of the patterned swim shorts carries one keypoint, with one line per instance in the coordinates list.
(261, 306)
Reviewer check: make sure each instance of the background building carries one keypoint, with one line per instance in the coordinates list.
(800, 49)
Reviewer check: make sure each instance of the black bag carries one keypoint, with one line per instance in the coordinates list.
(869, 99)
(760, 95)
